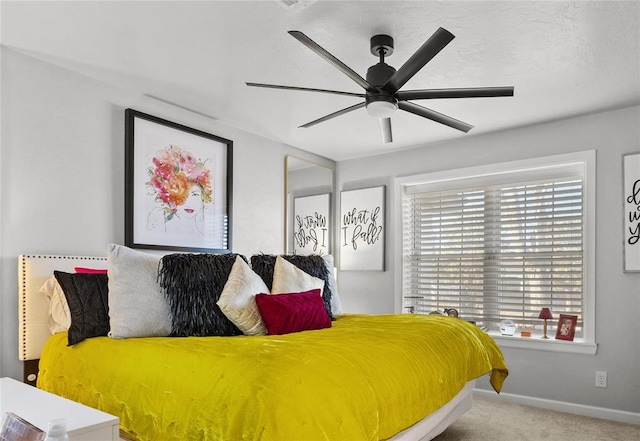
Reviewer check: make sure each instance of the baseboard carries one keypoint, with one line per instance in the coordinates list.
(562, 406)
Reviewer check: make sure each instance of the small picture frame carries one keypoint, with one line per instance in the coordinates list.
(15, 428)
(566, 327)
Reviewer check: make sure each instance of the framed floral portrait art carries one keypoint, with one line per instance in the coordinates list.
(178, 183)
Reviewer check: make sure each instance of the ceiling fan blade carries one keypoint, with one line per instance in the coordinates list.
(333, 115)
(304, 89)
(434, 116)
(385, 130)
(422, 56)
(302, 38)
(469, 92)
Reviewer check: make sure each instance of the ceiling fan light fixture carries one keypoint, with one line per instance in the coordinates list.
(381, 106)
(381, 109)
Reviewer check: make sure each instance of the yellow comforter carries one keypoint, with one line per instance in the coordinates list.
(366, 378)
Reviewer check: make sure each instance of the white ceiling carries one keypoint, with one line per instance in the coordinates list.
(564, 59)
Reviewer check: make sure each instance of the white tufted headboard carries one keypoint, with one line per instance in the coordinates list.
(33, 271)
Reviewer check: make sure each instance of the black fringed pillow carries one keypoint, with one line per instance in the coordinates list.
(88, 299)
(314, 265)
(192, 284)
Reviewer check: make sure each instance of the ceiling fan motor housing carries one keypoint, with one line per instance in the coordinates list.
(377, 76)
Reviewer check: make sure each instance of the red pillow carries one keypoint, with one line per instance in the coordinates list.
(81, 270)
(293, 312)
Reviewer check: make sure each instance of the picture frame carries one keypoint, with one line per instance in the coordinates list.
(312, 224)
(566, 327)
(16, 428)
(362, 229)
(178, 186)
(631, 212)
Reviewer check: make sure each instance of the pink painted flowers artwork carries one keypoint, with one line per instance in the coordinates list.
(181, 185)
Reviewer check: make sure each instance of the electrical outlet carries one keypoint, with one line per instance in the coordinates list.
(601, 379)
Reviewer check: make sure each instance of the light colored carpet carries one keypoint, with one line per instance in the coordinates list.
(492, 420)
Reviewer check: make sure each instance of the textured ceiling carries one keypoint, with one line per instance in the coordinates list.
(564, 59)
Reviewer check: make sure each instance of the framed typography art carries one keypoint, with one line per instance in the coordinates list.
(631, 200)
(178, 186)
(311, 233)
(362, 229)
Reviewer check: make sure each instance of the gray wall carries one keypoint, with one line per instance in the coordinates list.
(62, 174)
(61, 191)
(547, 375)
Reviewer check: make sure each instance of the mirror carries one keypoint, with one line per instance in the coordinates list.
(308, 200)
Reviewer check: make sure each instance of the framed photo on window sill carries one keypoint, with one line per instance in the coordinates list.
(566, 327)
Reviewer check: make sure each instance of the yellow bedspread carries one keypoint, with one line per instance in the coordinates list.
(366, 378)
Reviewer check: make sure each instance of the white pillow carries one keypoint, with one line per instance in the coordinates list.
(288, 278)
(59, 314)
(238, 298)
(336, 304)
(137, 306)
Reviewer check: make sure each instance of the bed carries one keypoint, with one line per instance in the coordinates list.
(363, 377)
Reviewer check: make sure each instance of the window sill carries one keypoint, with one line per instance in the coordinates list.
(537, 343)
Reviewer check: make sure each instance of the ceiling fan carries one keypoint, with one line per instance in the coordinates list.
(382, 84)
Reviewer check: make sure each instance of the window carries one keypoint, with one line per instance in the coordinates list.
(501, 242)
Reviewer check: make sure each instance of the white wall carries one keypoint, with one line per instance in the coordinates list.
(62, 174)
(546, 375)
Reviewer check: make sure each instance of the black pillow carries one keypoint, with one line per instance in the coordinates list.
(88, 299)
(313, 264)
(192, 284)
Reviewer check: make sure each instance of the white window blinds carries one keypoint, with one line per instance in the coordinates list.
(497, 247)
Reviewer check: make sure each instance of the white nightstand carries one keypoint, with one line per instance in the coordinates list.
(38, 407)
